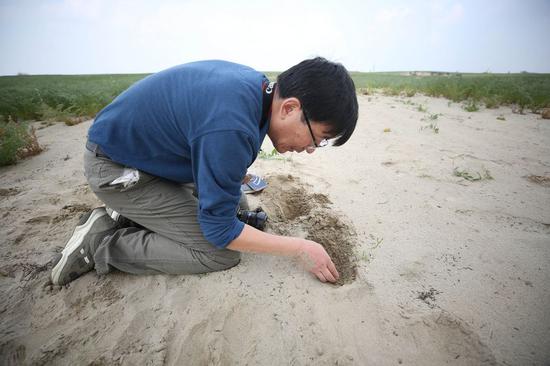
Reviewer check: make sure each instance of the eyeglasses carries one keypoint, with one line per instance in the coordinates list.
(323, 143)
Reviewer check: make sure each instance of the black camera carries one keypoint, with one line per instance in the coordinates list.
(256, 218)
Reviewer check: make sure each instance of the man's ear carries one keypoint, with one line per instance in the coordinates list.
(289, 106)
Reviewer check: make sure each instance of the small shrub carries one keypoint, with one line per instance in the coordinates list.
(364, 91)
(407, 92)
(31, 146)
(421, 108)
(11, 140)
(410, 93)
(54, 114)
(390, 91)
(524, 99)
(471, 105)
(71, 121)
(517, 109)
(17, 141)
(472, 176)
(273, 155)
(491, 102)
(432, 126)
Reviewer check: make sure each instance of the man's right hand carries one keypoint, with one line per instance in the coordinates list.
(317, 261)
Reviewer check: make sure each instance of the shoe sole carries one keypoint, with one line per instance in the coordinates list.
(74, 242)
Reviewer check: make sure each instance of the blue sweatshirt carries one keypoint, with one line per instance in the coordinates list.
(197, 122)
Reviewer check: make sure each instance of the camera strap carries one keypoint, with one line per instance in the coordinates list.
(268, 91)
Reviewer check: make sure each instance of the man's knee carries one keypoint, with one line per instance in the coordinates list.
(223, 259)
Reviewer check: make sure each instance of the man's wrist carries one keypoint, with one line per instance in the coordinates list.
(300, 246)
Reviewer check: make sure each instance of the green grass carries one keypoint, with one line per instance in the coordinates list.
(12, 138)
(17, 141)
(526, 90)
(432, 126)
(63, 97)
(273, 155)
(471, 105)
(46, 97)
(69, 98)
(472, 176)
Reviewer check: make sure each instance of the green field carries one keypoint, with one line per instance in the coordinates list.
(49, 97)
(69, 98)
(61, 97)
(527, 91)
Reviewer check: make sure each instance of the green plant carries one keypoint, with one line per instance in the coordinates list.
(501, 118)
(473, 176)
(11, 140)
(59, 98)
(56, 114)
(17, 140)
(421, 108)
(530, 90)
(390, 91)
(471, 105)
(491, 102)
(273, 155)
(365, 256)
(374, 241)
(410, 93)
(432, 126)
(364, 91)
(21, 97)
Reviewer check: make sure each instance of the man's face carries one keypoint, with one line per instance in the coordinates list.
(292, 132)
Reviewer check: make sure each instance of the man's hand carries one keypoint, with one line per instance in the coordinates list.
(312, 255)
(317, 261)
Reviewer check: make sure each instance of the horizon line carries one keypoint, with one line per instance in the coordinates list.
(273, 72)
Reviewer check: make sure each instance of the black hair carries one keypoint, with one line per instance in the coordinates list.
(326, 92)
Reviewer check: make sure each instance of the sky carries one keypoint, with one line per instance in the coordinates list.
(144, 36)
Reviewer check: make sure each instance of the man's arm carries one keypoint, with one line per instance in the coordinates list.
(312, 254)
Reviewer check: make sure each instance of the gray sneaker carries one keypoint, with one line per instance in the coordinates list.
(78, 256)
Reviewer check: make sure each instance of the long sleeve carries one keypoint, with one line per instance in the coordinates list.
(220, 160)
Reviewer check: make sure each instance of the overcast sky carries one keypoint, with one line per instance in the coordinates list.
(133, 36)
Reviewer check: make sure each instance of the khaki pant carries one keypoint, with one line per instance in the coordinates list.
(172, 241)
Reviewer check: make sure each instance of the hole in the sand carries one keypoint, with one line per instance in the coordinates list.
(294, 211)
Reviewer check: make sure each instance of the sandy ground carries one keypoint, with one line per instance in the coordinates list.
(447, 270)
